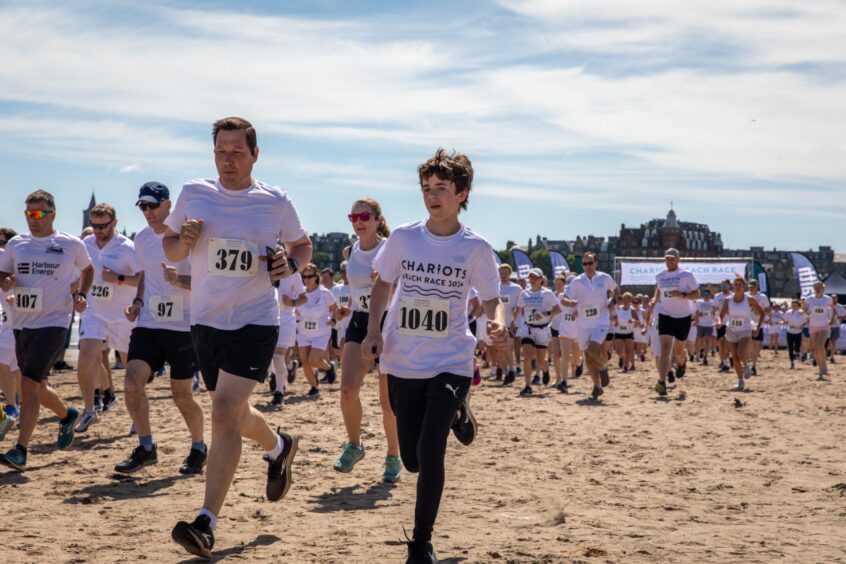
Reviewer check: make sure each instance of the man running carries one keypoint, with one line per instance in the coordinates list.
(42, 266)
(229, 226)
(675, 292)
(509, 292)
(116, 275)
(162, 310)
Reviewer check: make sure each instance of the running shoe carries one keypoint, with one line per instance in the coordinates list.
(349, 457)
(509, 378)
(194, 462)
(671, 376)
(546, 378)
(66, 431)
(393, 469)
(724, 368)
(661, 388)
(278, 398)
(792, 366)
(272, 382)
(604, 378)
(578, 372)
(196, 384)
(680, 370)
(98, 402)
(747, 371)
(477, 377)
(139, 458)
(754, 370)
(12, 411)
(88, 418)
(741, 385)
(421, 553)
(597, 391)
(196, 537)
(14, 458)
(536, 380)
(5, 424)
(313, 392)
(279, 469)
(527, 391)
(331, 375)
(109, 400)
(620, 362)
(292, 373)
(562, 387)
(464, 427)
(704, 361)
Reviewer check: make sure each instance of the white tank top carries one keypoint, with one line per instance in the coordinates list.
(359, 275)
(739, 314)
(625, 322)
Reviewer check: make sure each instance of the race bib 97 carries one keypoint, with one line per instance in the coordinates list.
(166, 308)
(423, 317)
(101, 292)
(233, 257)
(29, 299)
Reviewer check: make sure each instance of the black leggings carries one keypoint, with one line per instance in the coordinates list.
(425, 410)
(794, 345)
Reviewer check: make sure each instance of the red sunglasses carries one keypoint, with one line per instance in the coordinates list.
(363, 216)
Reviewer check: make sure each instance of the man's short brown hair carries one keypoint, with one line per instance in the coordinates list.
(328, 271)
(42, 196)
(235, 124)
(103, 209)
(454, 167)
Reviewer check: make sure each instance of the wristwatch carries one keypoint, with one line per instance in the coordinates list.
(138, 301)
(121, 278)
(293, 265)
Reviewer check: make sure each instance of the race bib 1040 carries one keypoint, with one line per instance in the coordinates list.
(423, 317)
(29, 299)
(233, 257)
(166, 308)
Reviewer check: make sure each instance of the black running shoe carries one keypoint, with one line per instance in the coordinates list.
(196, 537)
(536, 380)
(562, 387)
(109, 400)
(527, 391)
(661, 388)
(754, 370)
(680, 370)
(278, 398)
(510, 376)
(313, 391)
(98, 403)
(421, 553)
(464, 427)
(279, 470)
(671, 377)
(292, 373)
(139, 458)
(272, 382)
(546, 378)
(331, 375)
(498, 374)
(620, 363)
(194, 462)
(579, 370)
(604, 378)
(597, 391)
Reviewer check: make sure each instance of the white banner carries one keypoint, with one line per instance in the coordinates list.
(643, 273)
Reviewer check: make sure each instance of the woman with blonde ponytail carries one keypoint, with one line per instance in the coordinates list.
(372, 231)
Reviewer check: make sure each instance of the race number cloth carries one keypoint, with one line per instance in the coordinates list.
(536, 306)
(676, 281)
(426, 330)
(165, 306)
(636, 273)
(592, 295)
(359, 275)
(230, 288)
(49, 265)
(315, 312)
(108, 300)
(819, 310)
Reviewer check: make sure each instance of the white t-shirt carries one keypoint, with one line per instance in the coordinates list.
(706, 312)
(820, 311)
(678, 280)
(165, 305)
(625, 320)
(763, 301)
(292, 288)
(6, 311)
(341, 292)
(426, 331)
(592, 295)
(509, 293)
(536, 306)
(840, 312)
(314, 314)
(718, 303)
(108, 300)
(231, 287)
(44, 269)
(359, 275)
(795, 320)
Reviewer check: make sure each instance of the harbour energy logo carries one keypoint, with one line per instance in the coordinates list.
(23, 268)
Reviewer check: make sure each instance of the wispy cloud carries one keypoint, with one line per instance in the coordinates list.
(130, 168)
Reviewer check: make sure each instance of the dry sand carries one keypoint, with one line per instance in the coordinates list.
(552, 478)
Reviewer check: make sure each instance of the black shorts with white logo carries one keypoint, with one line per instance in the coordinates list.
(246, 352)
(157, 346)
(357, 329)
(678, 327)
(36, 349)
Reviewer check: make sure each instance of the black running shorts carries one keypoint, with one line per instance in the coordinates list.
(245, 352)
(677, 327)
(157, 346)
(721, 331)
(759, 336)
(36, 349)
(623, 336)
(357, 328)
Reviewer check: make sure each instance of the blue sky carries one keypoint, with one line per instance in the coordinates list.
(579, 115)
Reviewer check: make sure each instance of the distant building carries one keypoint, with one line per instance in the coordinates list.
(653, 238)
(779, 266)
(328, 249)
(86, 219)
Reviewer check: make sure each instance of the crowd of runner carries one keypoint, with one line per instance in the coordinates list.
(219, 285)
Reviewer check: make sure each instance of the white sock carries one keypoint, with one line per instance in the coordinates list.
(279, 367)
(280, 445)
(212, 518)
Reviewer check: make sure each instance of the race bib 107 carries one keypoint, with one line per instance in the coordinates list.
(423, 317)
(233, 257)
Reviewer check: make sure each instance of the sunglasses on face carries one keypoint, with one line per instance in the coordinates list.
(100, 226)
(591, 263)
(144, 207)
(307, 276)
(363, 216)
(36, 214)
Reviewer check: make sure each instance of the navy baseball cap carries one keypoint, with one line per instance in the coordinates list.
(153, 192)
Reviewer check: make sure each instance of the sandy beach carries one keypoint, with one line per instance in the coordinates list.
(551, 478)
